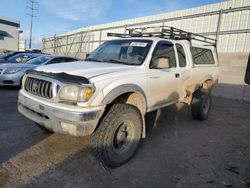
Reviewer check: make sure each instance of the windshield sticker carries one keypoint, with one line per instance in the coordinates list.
(139, 44)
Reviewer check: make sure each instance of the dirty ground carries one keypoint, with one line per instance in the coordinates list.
(178, 151)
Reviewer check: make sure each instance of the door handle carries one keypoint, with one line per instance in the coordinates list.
(177, 75)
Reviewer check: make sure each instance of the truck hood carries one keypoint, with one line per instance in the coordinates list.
(87, 69)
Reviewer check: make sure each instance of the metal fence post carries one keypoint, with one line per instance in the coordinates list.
(100, 37)
(67, 43)
(218, 27)
(163, 22)
(54, 50)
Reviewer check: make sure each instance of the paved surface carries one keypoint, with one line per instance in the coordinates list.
(178, 152)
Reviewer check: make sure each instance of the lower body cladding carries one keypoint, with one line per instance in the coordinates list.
(11, 79)
(71, 120)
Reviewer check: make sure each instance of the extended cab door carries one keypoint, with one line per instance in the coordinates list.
(184, 69)
(163, 87)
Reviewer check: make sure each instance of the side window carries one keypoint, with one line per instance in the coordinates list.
(56, 60)
(22, 59)
(70, 59)
(181, 55)
(164, 50)
(202, 56)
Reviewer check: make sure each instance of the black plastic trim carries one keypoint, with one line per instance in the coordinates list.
(62, 77)
(122, 89)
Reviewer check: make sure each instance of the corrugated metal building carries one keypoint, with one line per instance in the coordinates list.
(230, 20)
(9, 34)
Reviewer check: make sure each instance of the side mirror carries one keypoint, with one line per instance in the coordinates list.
(161, 63)
(247, 76)
(87, 55)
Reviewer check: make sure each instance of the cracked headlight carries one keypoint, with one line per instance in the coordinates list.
(74, 93)
(12, 71)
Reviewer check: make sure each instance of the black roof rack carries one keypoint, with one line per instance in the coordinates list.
(166, 33)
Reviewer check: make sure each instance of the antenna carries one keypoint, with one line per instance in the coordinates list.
(32, 8)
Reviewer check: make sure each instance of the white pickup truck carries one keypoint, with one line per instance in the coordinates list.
(107, 95)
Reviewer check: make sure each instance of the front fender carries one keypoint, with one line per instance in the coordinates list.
(120, 90)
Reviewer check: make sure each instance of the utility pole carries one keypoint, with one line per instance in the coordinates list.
(32, 8)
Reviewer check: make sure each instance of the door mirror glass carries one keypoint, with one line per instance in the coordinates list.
(87, 55)
(247, 76)
(161, 63)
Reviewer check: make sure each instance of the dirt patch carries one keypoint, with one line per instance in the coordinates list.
(3, 177)
(178, 151)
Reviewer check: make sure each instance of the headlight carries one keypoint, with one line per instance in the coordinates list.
(76, 93)
(12, 71)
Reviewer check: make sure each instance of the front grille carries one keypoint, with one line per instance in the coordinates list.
(38, 87)
(8, 82)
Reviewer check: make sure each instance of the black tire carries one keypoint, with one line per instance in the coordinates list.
(201, 104)
(118, 135)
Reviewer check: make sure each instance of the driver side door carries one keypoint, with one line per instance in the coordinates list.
(163, 82)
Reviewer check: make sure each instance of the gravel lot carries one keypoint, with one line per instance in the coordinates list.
(178, 151)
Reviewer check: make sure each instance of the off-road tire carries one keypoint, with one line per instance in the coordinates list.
(201, 104)
(105, 140)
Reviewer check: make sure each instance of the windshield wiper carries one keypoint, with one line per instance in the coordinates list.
(117, 61)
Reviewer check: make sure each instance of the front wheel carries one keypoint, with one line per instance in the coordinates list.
(118, 135)
(201, 104)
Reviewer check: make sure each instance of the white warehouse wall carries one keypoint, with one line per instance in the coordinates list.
(9, 28)
(234, 28)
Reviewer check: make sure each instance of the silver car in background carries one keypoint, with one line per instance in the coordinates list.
(18, 57)
(11, 73)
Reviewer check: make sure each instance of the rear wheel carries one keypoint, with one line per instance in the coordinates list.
(201, 104)
(118, 135)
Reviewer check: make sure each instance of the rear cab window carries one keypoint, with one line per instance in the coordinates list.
(202, 56)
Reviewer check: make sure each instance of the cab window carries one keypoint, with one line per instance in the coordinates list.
(181, 55)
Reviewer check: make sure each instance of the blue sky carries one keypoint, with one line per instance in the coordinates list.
(58, 16)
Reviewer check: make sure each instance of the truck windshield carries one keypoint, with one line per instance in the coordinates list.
(129, 52)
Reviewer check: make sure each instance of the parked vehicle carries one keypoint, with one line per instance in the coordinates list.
(19, 57)
(11, 73)
(4, 55)
(107, 95)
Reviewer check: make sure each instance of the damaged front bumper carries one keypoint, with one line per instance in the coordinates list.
(59, 118)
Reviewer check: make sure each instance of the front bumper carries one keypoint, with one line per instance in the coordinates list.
(11, 79)
(59, 118)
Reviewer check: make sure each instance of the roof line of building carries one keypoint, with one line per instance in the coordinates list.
(85, 30)
(9, 22)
